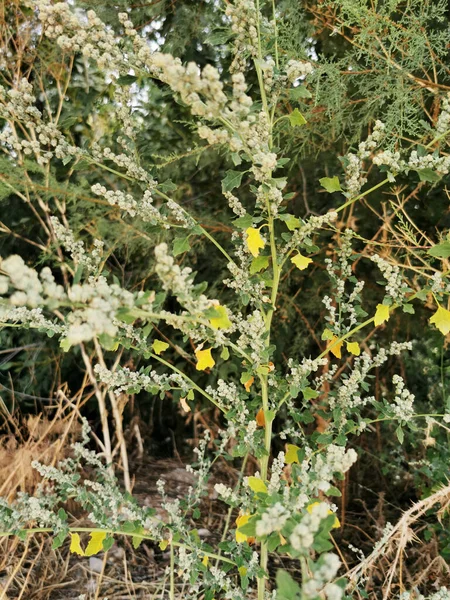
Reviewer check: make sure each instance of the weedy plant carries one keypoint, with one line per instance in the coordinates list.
(312, 406)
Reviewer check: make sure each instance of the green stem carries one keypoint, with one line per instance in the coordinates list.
(275, 31)
(437, 138)
(372, 189)
(188, 379)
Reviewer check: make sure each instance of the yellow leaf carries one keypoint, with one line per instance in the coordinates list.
(240, 521)
(254, 241)
(291, 455)
(184, 405)
(75, 545)
(158, 346)
(163, 544)
(441, 319)
(336, 523)
(222, 321)
(381, 315)
(301, 262)
(242, 571)
(335, 347)
(353, 348)
(282, 539)
(204, 359)
(95, 544)
(260, 418)
(257, 485)
(248, 384)
(205, 560)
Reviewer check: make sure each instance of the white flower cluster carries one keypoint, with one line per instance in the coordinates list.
(309, 227)
(273, 519)
(31, 289)
(348, 395)
(443, 122)
(296, 69)
(144, 208)
(416, 161)
(95, 303)
(124, 379)
(278, 465)
(132, 169)
(354, 178)
(227, 494)
(180, 282)
(393, 277)
(66, 238)
(298, 372)
(403, 401)
(340, 272)
(44, 140)
(252, 338)
(443, 593)
(32, 318)
(88, 36)
(318, 585)
(243, 16)
(240, 280)
(302, 536)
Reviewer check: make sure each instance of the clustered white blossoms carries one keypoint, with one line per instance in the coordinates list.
(443, 593)
(421, 159)
(343, 302)
(95, 303)
(302, 537)
(244, 17)
(123, 380)
(321, 582)
(313, 224)
(354, 174)
(443, 122)
(296, 69)
(348, 396)
(393, 276)
(252, 335)
(40, 138)
(403, 406)
(274, 519)
(66, 238)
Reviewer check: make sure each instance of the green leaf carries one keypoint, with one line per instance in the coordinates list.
(232, 180)
(65, 344)
(291, 455)
(296, 119)
(309, 394)
(331, 184)
(440, 250)
(258, 264)
(225, 354)
(243, 222)
(126, 79)
(287, 588)
(257, 485)
(400, 434)
(108, 342)
(181, 245)
(219, 319)
(299, 92)
(159, 346)
(408, 308)
(428, 175)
